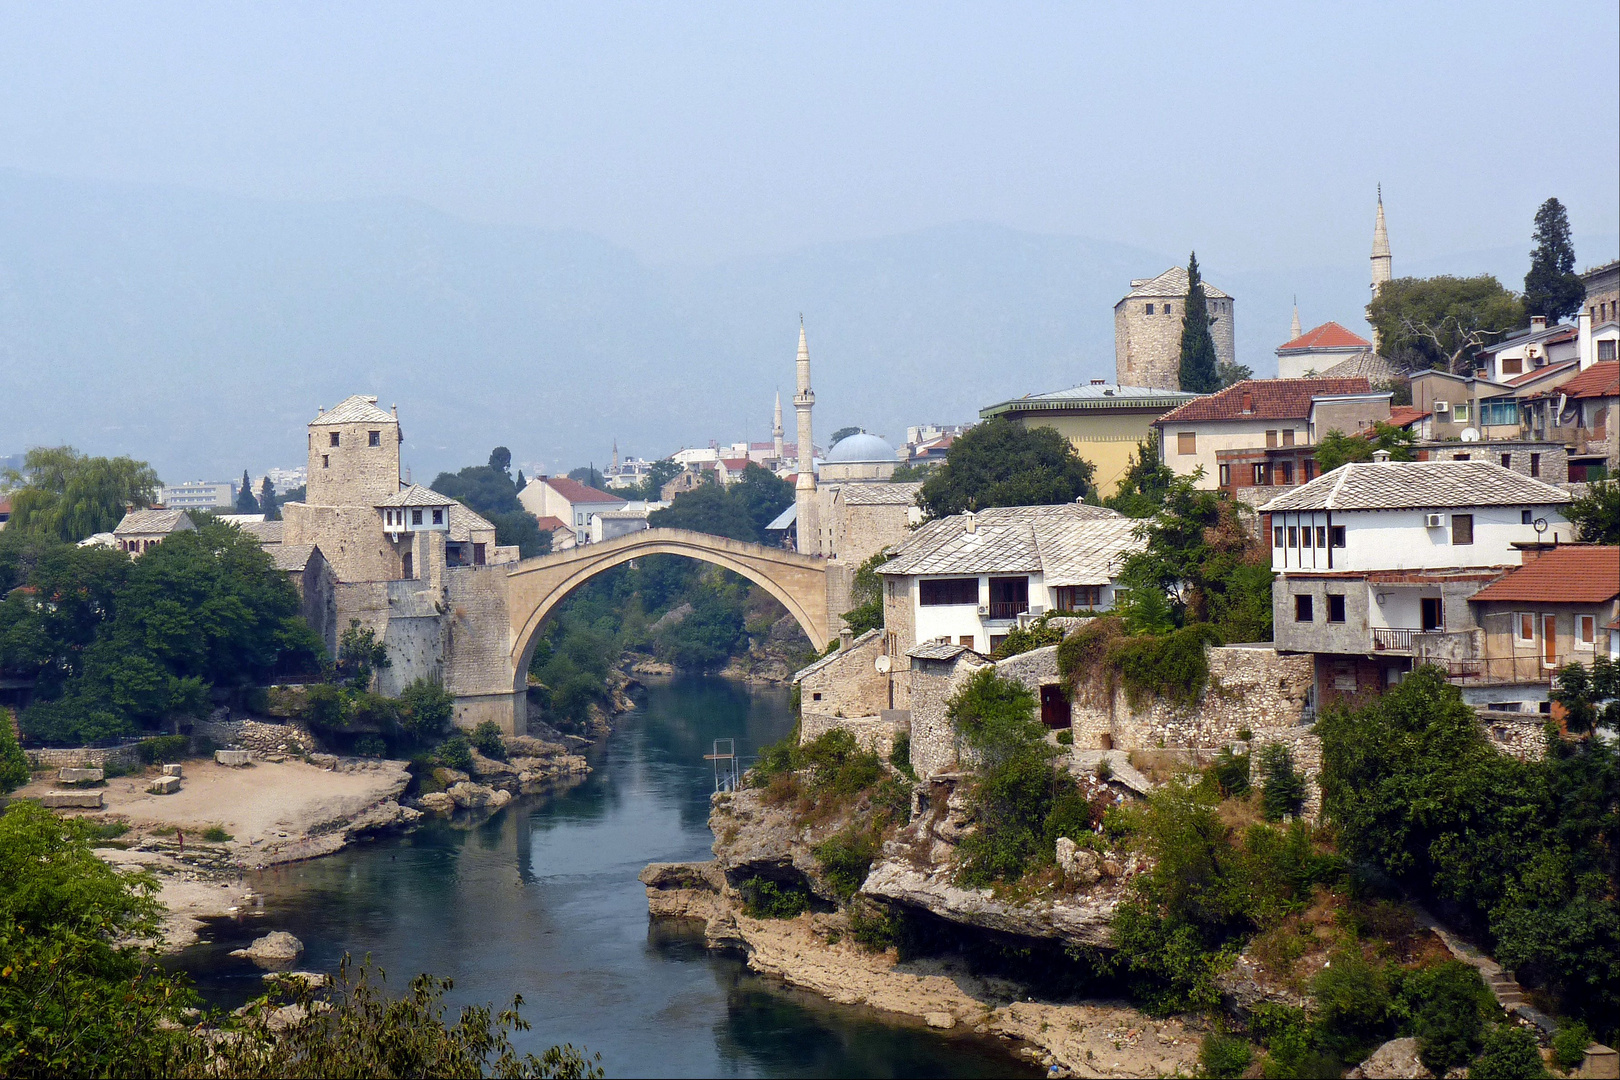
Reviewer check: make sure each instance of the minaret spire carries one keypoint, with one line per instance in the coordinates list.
(776, 432)
(1295, 331)
(1382, 264)
(806, 517)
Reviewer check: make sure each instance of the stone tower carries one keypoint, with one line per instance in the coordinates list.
(806, 520)
(1147, 330)
(1293, 330)
(1382, 264)
(353, 455)
(776, 432)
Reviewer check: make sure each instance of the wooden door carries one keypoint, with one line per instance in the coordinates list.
(1549, 640)
(1055, 712)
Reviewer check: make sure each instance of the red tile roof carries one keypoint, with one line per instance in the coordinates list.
(735, 464)
(1402, 415)
(1574, 574)
(1538, 373)
(1599, 380)
(1330, 335)
(1271, 399)
(576, 492)
(550, 523)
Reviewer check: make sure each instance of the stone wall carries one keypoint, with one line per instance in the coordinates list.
(1520, 734)
(85, 757)
(874, 733)
(351, 538)
(847, 683)
(245, 733)
(1147, 348)
(1552, 459)
(934, 747)
(353, 472)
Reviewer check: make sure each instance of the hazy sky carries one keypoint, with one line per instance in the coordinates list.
(689, 133)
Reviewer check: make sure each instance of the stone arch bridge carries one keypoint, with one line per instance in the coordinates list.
(813, 591)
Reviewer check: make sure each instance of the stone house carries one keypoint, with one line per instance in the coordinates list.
(865, 519)
(1583, 414)
(1537, 459)
(1102, 421)
(970, 578)
(1376, 562)
(1147, 329)
(1551, 611)
(142, 530)
(570, 500)
(1258, 414)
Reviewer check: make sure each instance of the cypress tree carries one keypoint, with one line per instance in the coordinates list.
(1198, 367)
(245, 502)
(1552, 288)
(267, 501)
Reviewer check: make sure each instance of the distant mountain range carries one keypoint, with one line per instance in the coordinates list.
(201, 331)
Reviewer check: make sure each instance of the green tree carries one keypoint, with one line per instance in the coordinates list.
(70, 496)
(500, 459)
(1442, 322)
(841, 434)
(999, 463)
(483, 489)
(866, 593)
(267, 501)
(522, 529)
(245, 502)
(659, 473)
(14, 771)
(1336, 448)
(707, 508)
(1552, 288)
(360, 655)
(1198, 366)
(1230, 373)
(762, 495)
(425, 709)
(1508, 1053)
(1142, 489)
(588, 475)
(1597, 513)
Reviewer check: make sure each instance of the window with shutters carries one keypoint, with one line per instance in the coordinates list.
(1186, 442)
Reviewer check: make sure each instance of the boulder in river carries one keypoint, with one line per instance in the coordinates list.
(276, 947)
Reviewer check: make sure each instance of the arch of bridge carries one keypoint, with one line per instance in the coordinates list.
(535, 586)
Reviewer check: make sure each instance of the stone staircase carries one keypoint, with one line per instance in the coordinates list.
(1509, 994)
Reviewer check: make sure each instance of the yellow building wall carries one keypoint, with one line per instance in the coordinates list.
(1106, 439)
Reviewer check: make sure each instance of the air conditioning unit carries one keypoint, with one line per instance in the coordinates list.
(984, 611)
(1442, 406)
(1436, 521)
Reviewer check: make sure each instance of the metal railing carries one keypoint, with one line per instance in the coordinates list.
(1008, 609)
(1394, 638)
(1500, 670)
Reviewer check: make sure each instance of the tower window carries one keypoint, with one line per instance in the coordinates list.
(438, 517)
(334, 437)
(326, 461)
(1150, 309)
(416, 517)
(1167, 309)
(373, 438)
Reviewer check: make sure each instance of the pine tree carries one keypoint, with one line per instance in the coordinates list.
(1552, 288)
(267, 501)
(1198, 367)
(245, 502)
(521, 483)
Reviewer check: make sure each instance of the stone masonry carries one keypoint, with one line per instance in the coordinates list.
(1147, 343)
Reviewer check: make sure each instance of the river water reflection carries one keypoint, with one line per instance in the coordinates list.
(542, 900)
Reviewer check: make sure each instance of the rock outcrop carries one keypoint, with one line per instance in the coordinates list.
(276, 947)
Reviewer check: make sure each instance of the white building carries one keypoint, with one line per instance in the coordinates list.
(569, 501)
(968, 579)
(199, 495)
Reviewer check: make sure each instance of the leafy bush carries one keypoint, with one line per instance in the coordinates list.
(1509, 1053)
(456, 754)
(1065, 737)
(164, 749)
(325, 708)
(73, 722)
(1284, 792)
(487, 738)
(1174, 667)
(1231, 773)
(1223, 1056)
(900, 755)
(767, 899)
(846, 858)
(216, 834)
(14, 771)
(360, 655)
(1353, 1002)
(1449, 1015)
(837, 765)
(425, 709)
(873, 927)
(1020, 639)
(370, 746)
(1569, 1045)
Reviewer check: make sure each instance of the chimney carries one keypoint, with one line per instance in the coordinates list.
(1248, 402)
(846, 638)
(972, 521)
(1099, 382)
(1380, 455)
(1538, 323)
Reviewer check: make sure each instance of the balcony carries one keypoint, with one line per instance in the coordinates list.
(1396, 639)
(1007, 609)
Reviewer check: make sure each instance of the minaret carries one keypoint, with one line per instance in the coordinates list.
(615, 457)
(776, 432)
(1381, 262)
(1294, 331)
(807, 522)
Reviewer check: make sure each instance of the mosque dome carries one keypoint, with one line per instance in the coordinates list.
(860, 447)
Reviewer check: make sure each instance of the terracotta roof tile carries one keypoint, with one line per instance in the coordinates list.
(1577, 574)
(576, 492)
(1600, 380)
(1330, 335)
(1539, 373)
(1401, 415)
(552, 524)
(1271, 399)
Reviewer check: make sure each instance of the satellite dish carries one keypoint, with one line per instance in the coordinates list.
(1470, 434)
(882, 665)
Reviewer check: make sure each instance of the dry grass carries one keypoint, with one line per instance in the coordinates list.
(1161, 765)
(1239, 814)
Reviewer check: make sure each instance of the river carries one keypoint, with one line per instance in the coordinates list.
(542, 900)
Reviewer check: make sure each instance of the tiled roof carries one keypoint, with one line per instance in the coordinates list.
(1069, 544)
(1417, 485)
(1091, 396)
(265, 532)
(1368, 364)
(1535, 374)
(1171, 283)
(894, 494)
(153, 521)
(735, 464)
(1402, 415)
(938, 650)
(576, 492)
(356, 410)
(1600, 380)
(463, 521)
(784, 519)
(1577, 574)
(290, 556)
(830, 657)
(416, 495)
(1330, 335)
(552, 524)
(1551, 335)
(1272, 399)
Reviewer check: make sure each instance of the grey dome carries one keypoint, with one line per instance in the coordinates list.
(860, 447)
